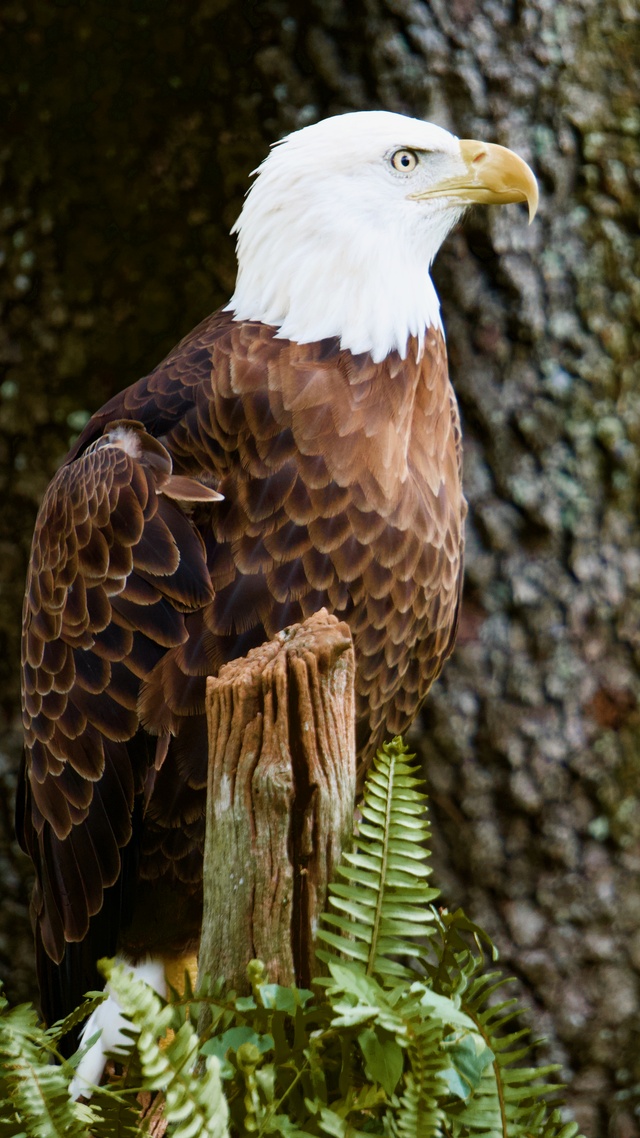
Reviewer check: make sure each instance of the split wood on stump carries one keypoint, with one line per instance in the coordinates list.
(280, 799)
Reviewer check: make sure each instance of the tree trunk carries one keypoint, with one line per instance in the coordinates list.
(142, 127)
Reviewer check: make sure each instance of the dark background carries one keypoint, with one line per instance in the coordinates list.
(128, 133)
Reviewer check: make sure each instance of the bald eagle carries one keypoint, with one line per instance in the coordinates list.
(300, 448)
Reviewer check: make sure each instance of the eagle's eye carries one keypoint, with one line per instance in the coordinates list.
(404, 161)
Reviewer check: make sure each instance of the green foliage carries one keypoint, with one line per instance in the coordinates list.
(34, 1096)
(385, 898)
(408, 1036)
(195, 1107)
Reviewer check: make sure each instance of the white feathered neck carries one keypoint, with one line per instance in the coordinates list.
(330, 243)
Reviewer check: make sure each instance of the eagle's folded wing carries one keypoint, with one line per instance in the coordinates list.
(116, 565)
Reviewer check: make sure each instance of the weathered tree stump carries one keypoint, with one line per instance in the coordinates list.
(280, 799)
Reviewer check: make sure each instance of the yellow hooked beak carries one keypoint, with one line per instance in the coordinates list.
(493, 176)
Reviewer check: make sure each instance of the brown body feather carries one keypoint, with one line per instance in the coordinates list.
(342, 487)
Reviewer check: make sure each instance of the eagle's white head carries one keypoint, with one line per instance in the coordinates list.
(339, 229)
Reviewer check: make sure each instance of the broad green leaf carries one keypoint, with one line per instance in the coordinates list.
(350, 1015)
(469, 1057)
(246, 1004)
(332, 1124)
(281, 1124)
(443, 1008)
(349, 978)
(384, 1060)
(284, 999)
(232, 1039)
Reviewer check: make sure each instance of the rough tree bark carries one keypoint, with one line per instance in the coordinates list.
(131, 132)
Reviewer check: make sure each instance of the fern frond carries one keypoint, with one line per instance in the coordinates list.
(113, 1116)
(510, 1097)
(34, 1094)
(383, 901)
(419, 1114)
(557, 1127)
(195, 1105)
(63, 1026)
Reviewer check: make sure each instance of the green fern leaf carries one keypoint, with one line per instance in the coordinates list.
(382, 904)
(114, 1115)
(419, 1114)
(466, 1064)
(509, 1100)
(34, 1091)
(63, 1026)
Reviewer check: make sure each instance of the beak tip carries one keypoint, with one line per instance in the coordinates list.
(499, 176)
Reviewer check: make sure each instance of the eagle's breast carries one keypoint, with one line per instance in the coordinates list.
(342, 486)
